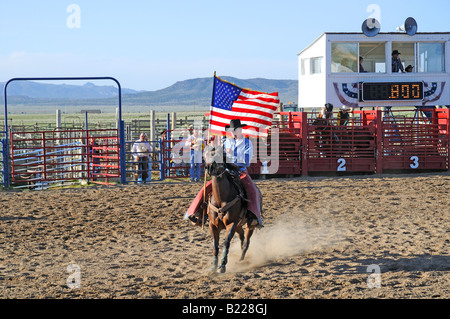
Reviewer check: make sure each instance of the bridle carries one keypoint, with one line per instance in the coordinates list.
(218, 170)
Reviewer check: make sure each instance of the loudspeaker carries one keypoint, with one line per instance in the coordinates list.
(410, 26)
(371, 27)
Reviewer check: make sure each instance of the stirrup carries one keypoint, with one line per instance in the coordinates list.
(260, 223)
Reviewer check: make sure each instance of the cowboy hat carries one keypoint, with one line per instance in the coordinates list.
(395, 52)
(345, 107)
(329, 107)
(234, 124)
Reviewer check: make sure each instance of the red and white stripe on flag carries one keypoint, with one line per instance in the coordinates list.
(253, 108)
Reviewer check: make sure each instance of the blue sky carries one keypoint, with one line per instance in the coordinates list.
(149, 45)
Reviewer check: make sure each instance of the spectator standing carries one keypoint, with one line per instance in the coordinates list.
(195, 143)
(141, 152)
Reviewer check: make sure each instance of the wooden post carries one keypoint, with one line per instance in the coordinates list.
(128, 132)
(173, 123)
(58, 125)
(117, 118)
(152, 125)
(58, 119)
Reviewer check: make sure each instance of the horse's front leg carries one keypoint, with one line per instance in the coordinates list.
(215, 236)
(231, 229)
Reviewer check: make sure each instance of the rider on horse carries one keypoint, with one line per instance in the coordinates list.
(239, 151)
(326, 112)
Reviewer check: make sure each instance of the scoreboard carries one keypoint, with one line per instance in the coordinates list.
(390, 91)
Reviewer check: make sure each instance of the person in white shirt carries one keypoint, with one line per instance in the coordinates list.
(141, 152)
(195, 143)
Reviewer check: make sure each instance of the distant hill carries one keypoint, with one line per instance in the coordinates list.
(183, 95)
(41, 90)
(198, 92)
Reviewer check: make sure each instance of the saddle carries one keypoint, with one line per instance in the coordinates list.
(235, 177)
(199, 212)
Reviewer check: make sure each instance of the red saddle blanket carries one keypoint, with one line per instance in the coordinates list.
(252, 191)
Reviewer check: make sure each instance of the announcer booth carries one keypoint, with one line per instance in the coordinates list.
(356, 70)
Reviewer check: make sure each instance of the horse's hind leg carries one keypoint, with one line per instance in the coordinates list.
(240, 231)
(231, 229)
(246, 243)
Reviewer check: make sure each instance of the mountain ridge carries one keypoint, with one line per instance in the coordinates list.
(186, 94)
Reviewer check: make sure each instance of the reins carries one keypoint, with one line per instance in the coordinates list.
(220, 211)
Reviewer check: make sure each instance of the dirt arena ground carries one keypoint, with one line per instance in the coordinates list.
(324, 237)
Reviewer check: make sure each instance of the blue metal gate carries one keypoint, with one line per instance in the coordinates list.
(4, 168)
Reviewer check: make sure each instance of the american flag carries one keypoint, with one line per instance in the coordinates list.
(252, 107)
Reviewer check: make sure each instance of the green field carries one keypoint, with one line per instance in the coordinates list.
(102, 120)
(47, 121)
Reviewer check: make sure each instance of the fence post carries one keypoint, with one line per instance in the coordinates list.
(5, 161)
(304, 148)
(168, 144)
(173, 124)
(89, 154)
(448, 136)
(123, 177)
(117, 118)
(379, 142)
(44, 155)
(152, 125)
(161, 160)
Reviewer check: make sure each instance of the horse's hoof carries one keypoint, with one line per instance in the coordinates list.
(221, 269)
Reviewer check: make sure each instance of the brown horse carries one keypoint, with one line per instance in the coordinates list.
(227, 209)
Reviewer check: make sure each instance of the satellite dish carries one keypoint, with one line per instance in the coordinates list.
(410, 26)
(371, 27)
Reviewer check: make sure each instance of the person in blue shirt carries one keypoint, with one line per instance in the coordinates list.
(238, 151)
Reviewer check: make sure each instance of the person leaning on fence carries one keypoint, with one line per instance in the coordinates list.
(141, 152)
(195, 143)
(181, 159)
(343, 115)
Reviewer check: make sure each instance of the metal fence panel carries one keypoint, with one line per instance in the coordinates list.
(44, 159)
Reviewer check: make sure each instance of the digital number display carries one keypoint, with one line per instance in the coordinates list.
(395, 91)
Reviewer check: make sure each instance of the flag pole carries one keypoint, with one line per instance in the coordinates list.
(207, 140)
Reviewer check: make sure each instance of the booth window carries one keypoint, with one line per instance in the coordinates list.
(344, 57)
(316, 65)
(407, 53)
(373, 57)
(431, 57)
(303, 66)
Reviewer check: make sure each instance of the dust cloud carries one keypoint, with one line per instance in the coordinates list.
(289, 236)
